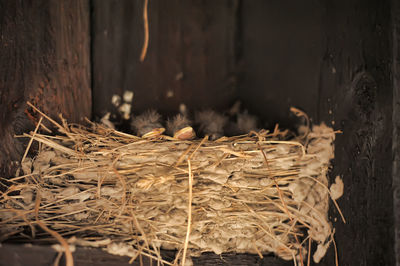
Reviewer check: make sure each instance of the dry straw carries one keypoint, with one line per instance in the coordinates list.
(258, 193)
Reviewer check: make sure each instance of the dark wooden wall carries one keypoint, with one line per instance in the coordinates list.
(332, 59)
(361, 97)
(190, 53)
(44, 53)
(19, 255)
(284, 44)
(396, 125)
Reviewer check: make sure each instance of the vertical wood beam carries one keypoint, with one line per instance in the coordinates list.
(45, 58)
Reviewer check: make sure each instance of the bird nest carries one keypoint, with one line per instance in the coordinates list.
(264, 192)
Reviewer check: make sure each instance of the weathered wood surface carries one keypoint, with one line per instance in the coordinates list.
(396, 126)
(20, 255)
(359, 98)
(333, 60)
(190, 57)
(283, 47)
(44, 52)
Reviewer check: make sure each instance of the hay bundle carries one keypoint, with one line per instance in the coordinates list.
(259, 193)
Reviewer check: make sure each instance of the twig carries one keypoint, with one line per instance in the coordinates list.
(47, 117)
(31, 140)
(189, 213)
(57, 259)
(276, 185)
(334, 245)
(68, 255)
(309, 252)
(146, 32)
(198, 146)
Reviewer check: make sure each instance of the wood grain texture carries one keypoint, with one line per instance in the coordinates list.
(359, 98)
(396, 126)
(333, 60)
(20, 255)
(283, 47)
(190, 54)
(45, 59)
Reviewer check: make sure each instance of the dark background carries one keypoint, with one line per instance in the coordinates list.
(338, 60)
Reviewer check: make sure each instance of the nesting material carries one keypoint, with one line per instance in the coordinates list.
(258, 193)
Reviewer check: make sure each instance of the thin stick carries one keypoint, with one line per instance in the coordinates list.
(34, 120)
(299, 113)
(309, 251)
(189, 213)
(178, 162)
(57, 260)
(146, 32)
(53, 145)
(198, 146)
(294, 143)
(68, 255)
(276, 185)
(300, 250)
(136, 223)
(334, 244)
(31, 140)
(330, 194)
(257, 250)
(338, 208)
(47, 117)
(123, 183)
(294, 259)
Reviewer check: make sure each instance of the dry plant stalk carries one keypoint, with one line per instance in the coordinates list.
(146, 31)
(257, 193)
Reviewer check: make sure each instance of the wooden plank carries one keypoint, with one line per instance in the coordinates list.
(35, 255)
(283, 46)
(396, 126)
(332, 59)
(45, 59)
(358, 97)
(188, 59)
